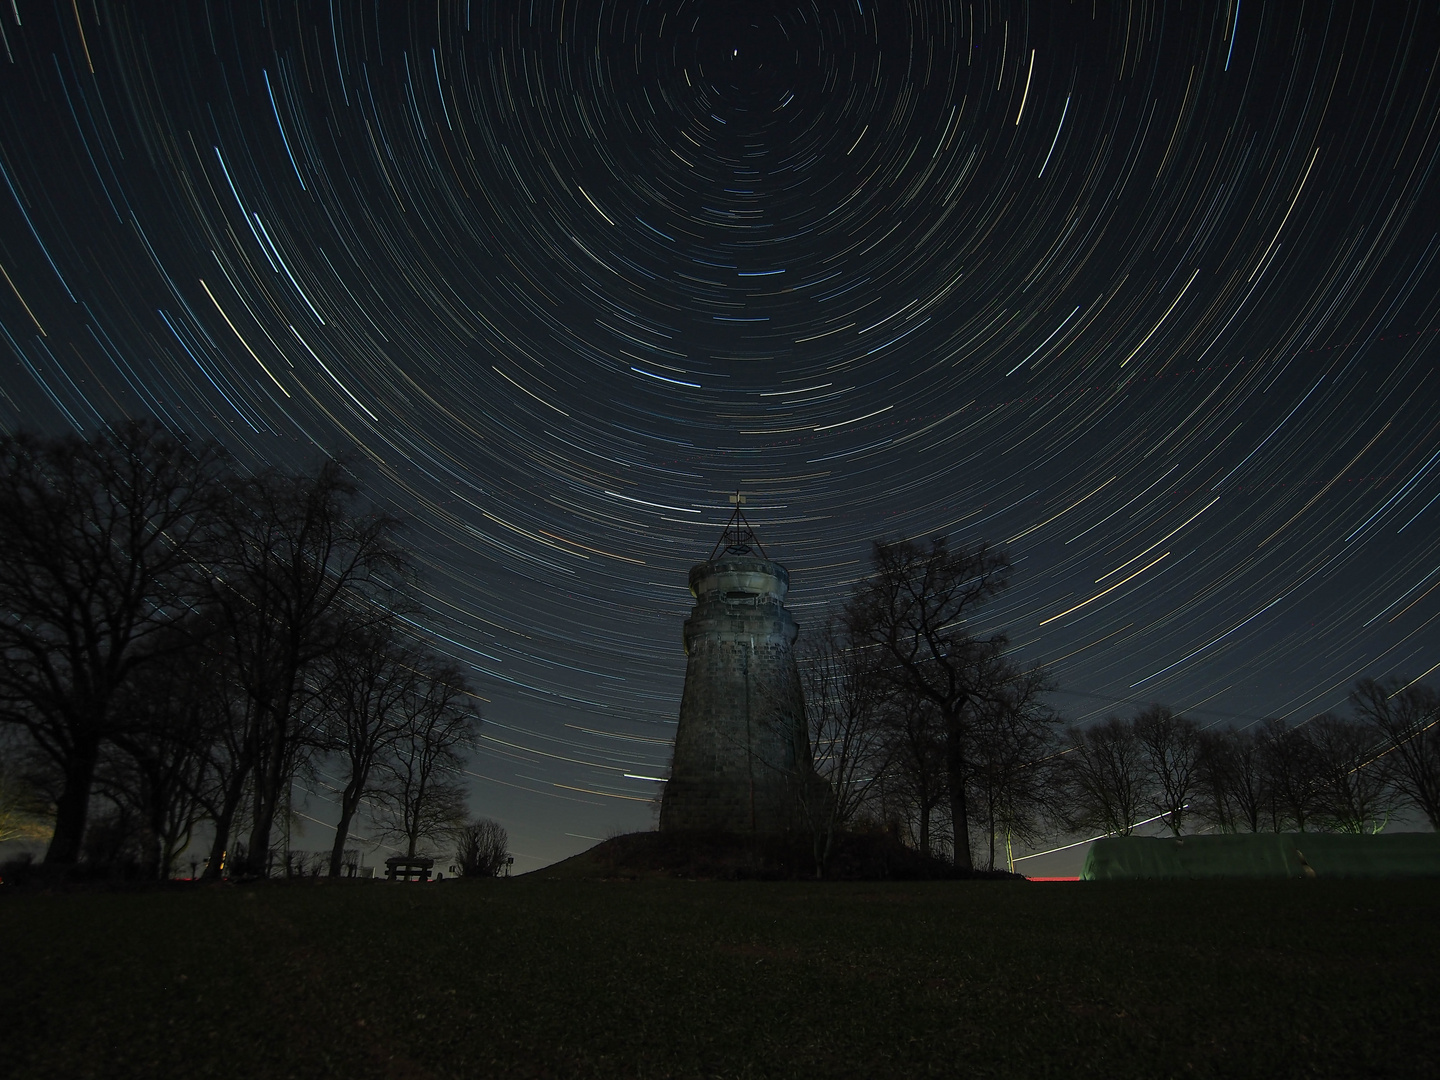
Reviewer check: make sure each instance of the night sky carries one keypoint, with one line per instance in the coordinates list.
(1147, 292)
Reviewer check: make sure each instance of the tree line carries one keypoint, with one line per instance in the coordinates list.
(184, 640)
(921, 723)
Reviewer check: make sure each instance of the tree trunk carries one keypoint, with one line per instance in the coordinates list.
(224, 821)
(269, 774)
(413, 833)
(267, 798)
(218, 846)
(990, 813)
(160, 854)
(73, 806)
(164, 832)
(349, 803)
(959, 811)
(166, 860)
(925, 808)
(267, 803)
(829, 846)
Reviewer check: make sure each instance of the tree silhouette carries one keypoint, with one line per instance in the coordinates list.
(1353, 791)
(102, 539)
(1291, 775)
(366, 684)
(1102, 778)
(1012, 740)
(419, 795)
(1405, 720)
(301, 566)
(159, 767)
(482, 847)
(915, 609)
(1232, 781)
(915, 779)
(845, 732)
(1171, 746)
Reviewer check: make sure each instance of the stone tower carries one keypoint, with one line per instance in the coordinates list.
(741, 731)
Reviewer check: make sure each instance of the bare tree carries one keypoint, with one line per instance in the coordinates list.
(482, 847)
(230, 750)
(1288, 758)
(1013, 738)
(845, 733)
(915, 609)
(1171, 746)
(159, 768)
(418, 793)
(366, 685)
(1405, 720)
(116, 839)
(915, 779)
(1103, 778)
(298, 555)
(101, 539)
(1231, 780)
(1354, 793)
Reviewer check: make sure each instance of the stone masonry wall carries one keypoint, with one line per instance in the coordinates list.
(741, 718)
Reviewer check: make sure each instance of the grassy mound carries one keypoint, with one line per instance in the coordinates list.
(705, 856)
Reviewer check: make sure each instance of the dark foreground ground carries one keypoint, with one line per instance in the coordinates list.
(561, 978)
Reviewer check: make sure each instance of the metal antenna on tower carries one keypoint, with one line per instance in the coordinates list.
(738, 537)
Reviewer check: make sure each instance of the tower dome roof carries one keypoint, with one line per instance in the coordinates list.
(739, 577)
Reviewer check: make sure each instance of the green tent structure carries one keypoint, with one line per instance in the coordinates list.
(1263, 855)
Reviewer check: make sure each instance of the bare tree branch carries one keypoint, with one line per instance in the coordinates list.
(102, 539)
(915, 610)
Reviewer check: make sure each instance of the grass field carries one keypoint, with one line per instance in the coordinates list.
(537, 978)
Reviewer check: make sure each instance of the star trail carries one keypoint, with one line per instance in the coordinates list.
(1147, 292)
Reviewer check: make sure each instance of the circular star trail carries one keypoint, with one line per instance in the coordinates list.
(1147, 293)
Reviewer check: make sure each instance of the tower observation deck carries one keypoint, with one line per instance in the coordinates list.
(741, 733)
